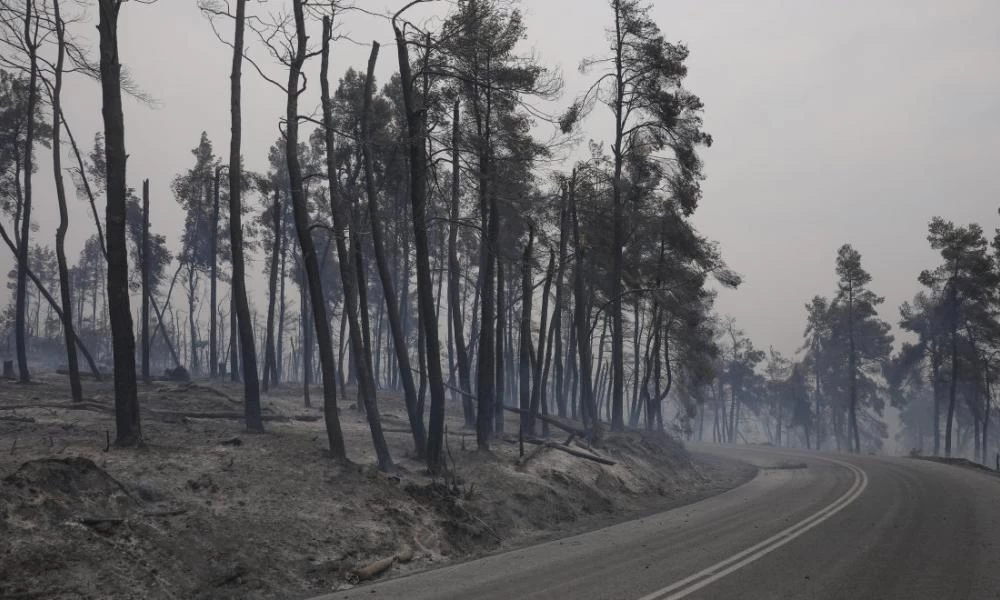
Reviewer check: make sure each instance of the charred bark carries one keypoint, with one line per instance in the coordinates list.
(388, 290)
(64, 285)
(425, 297)
(128, 431)
(335, 436)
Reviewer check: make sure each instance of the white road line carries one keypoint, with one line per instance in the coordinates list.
(695, 582)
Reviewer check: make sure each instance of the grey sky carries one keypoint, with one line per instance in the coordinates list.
(834, 121)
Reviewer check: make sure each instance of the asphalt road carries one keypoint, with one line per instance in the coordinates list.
(842, 527)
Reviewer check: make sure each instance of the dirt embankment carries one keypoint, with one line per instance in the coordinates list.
(208, 511)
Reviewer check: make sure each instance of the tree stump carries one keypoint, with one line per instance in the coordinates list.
(8, 369)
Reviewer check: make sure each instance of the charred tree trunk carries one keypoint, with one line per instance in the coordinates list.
(581, 311)
(64, 285)
(501, 326)
(335, 436)
(86, 185)
(425, 298)
(272, 290)
(557, 318)
(306, 338)
(192, 328)
(936, 390)
(952, 386)
(527, 422)
(341, 217)
(123, 339)
(490, 396)
(279, 356)
(454, 272)
(388, 289)
(213, 326)
(852, 366)
(365, 364)
(543, 350)
(146, 376)
(234, 340)
(21, 299)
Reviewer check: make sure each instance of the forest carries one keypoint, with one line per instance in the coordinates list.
(435, 279)
(409, 242)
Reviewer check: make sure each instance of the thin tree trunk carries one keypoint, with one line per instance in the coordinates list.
(272, 289)
(146, 376)
(81, 171)
(21, 298)
(213, 327)
(587, 406)
(617, 268)
(335, 436)
(454, 272)
(279, 357)
(501, 327)
(852, 366)
(425, 298)
(366, 368)
(234, 339)
(949, 424)
(557, 318)
(351, 285)
(527, 423)
(388, 291)
(543, 349)
(64, 285)
(193, 332)
(306, 340)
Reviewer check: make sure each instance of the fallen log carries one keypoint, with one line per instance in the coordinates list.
(232, 415)
(83, 374)
(551, 421)
(103, 524)
(17, 419)
(378, 567)
(73, 406)
(165, 513)
(578, 453)
(569, 450)
(194, 386)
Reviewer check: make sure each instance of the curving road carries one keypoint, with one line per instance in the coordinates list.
(839, 528)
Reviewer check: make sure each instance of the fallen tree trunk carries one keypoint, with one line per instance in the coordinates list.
(378, 567)
(17, 419)
(195, 386)
(551, 421)
(231, 415)
(82, 375)
(569, 450)
(74, 406)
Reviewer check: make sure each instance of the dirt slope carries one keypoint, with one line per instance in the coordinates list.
(208, 511)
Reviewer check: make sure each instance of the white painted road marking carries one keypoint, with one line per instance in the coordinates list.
(695, 582)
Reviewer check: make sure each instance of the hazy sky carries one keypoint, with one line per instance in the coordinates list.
(834, 121)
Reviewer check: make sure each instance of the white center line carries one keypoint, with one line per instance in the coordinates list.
(695, 582)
